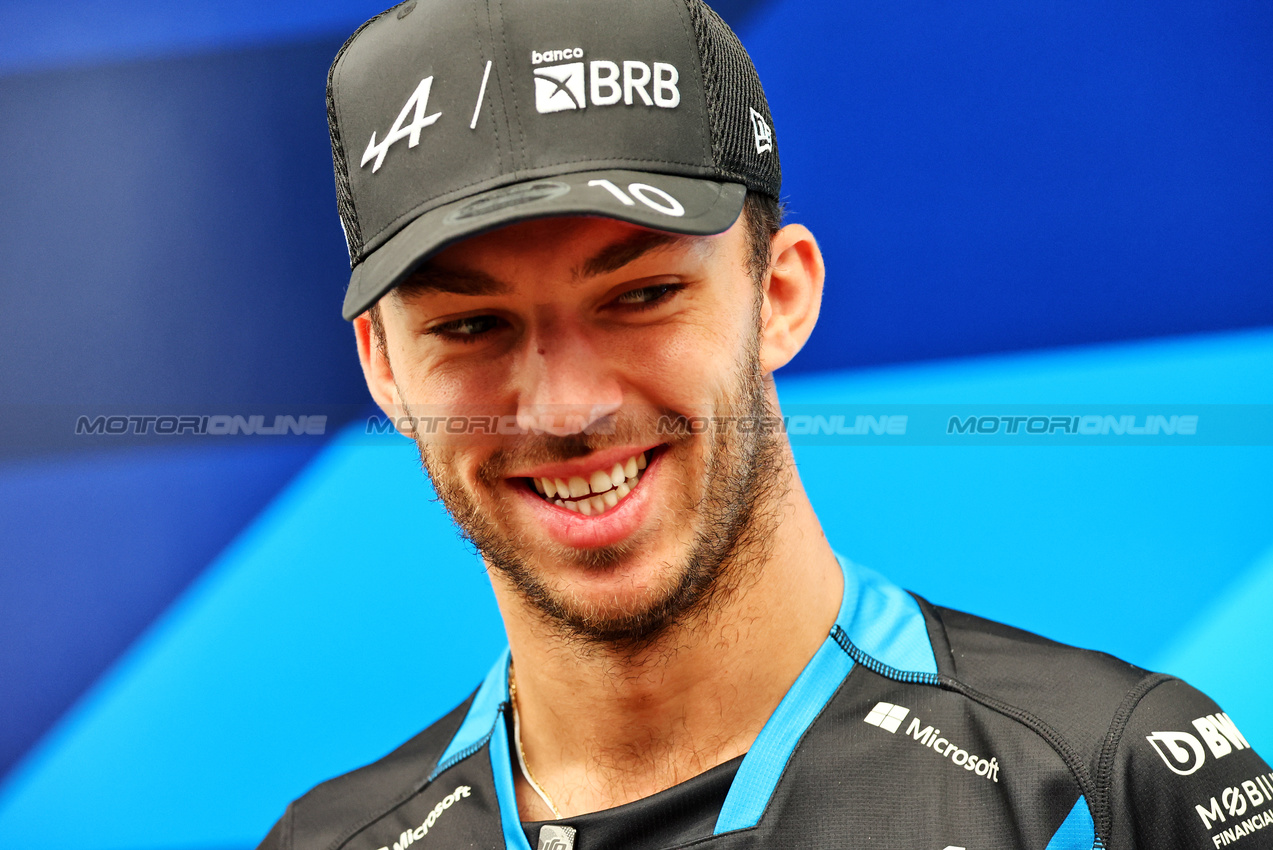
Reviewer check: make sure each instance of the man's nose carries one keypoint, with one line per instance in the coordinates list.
(569, 387)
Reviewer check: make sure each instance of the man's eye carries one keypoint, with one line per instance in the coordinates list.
(649, 296)
(467, 329)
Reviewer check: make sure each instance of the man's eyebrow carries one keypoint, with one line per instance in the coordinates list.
(433, 279)
(617, 255)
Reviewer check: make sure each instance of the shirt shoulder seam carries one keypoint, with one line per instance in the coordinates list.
(1101, 802)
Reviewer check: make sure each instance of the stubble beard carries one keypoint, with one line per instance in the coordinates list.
(736, 516)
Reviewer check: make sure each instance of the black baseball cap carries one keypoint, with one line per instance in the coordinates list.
(450, 118)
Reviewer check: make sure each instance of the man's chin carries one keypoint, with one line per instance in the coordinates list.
(628, 598)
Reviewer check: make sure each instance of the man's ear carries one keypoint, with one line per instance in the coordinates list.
(376, 369)
(792, 296)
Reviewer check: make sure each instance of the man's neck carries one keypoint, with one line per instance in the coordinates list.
(602, 728)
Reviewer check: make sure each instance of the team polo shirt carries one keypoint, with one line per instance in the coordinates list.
(671, 818)
(912, 726)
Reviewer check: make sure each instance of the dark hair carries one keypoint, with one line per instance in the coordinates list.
(762, 213)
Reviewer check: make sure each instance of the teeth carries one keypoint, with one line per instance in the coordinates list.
(599, 482)
(596, 494)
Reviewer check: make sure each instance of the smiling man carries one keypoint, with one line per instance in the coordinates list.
(563, 224)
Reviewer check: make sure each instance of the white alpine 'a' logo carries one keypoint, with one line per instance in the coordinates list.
(559, 87)
(764, 134)
(416, 106)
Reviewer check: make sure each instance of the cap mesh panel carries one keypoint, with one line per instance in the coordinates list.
(733, 89)
(344, 195)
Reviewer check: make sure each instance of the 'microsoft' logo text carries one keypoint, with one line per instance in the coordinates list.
(889, 717)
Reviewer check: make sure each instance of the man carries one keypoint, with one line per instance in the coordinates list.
(564, 230)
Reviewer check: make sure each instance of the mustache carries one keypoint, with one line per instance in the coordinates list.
(537, 449)
(517, 448)
(658, 428)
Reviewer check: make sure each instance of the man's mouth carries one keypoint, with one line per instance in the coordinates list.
(596, 492)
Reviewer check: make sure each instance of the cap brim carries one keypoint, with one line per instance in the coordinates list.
(688, 205)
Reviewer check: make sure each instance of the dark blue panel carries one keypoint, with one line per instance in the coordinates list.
(37, 34)
(92, 548)
(994, 176)
(171, 241)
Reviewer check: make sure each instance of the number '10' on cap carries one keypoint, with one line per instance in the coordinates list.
(449, 118)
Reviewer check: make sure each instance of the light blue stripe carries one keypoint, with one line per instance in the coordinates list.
(486, 722)
(482, 715)
(502, 770)
(884, 621)
(1077, 831)
(763, 765)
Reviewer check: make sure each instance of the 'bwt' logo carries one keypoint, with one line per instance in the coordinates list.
(1183, 753)
(576, 85)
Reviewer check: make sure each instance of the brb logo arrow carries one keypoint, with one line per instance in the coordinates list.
(559, 87)
(419, 102)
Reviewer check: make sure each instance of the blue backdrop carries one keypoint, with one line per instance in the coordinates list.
(1051, 204)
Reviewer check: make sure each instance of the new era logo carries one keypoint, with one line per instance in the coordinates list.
(559, 87)
(887, 716)
(763, 132)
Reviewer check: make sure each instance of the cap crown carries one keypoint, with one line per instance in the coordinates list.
(436, 100)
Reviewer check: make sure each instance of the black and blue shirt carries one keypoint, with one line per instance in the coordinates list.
(912, 726)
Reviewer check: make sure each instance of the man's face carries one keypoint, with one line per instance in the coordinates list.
(605, 341)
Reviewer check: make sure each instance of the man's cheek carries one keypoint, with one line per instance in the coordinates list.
(673, 353)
